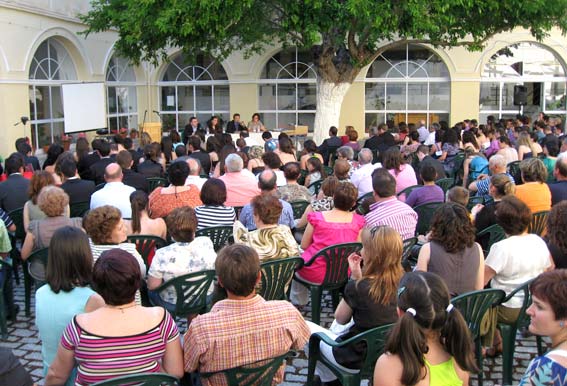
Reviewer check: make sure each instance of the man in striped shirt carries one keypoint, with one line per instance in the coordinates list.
(244, 328)
(388, 210)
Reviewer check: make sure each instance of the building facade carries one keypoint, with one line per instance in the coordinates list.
(41, 49)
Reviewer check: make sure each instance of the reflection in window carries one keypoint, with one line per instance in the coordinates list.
(51, 66)
(407, 83)
(121, 94)
(288, 90)
(528, 64)
(193, 88)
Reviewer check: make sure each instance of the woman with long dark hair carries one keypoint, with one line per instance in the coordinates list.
(141, 223)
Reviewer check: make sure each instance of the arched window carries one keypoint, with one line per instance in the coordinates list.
(288, 90)
(406, 84)
(193, 88)
(51, 67)
(529, 65)
(121, 94)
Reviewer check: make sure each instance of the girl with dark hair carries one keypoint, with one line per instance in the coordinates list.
(167, 149)
(557, 234)
(151, 167)
(53, 152)
(285, 150)
(219, 167)
(506, 149)
(369, 297)
(316, 172)
(474, 165)
(404, 174)
(214, 125)
(431, 343)
(67, 292)
(81, 148)
(141, 223)
(309, 151)
(175, 138)
(452, 252)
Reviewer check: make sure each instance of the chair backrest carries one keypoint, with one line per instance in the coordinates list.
(145, 379)
(473, 306)
(299, 207)
(523, 318)
(154, 182)
(316, 186)
(538, 223)
(424, 216)
(79, 209)
(328, 170)
(409, 261)
(375, 341)
(219, 235)
(303, 174)
(513, 169)
(191, 291)
(406, 192)
(276, 276)
(259, 373)
(337, 264)
(458, 162)
(445, 183)
(146, 244)
(495, 234)
(17, 216)
(473, 201)
(37, 265)
(364, 202)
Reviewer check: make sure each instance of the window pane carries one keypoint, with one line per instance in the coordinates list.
(122, 94)
(56, 102)
(222, 99)
(185, 98)
(372, 119)
(182, 120)
(113, 124)
(306, 119)
(375, 96)
(111, 99)
(132, 100)
(439, 96)
(168, 121)
(417, 96)
(168, 99)
(555, 96)
(58, 131)
(42, 102)
(267, 96)
(269, 120)
(44, 134)
(396, 96)
(489, 96)
(203, 96)
(508, 97)
(306, 96)
(285, 119)
(286, 97)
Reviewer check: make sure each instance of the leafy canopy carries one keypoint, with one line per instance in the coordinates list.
(344, 35)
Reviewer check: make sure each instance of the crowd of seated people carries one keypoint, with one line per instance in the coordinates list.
(97, 276)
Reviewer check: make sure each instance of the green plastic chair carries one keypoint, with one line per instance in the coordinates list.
(495, 234)
(277, 275)
(259, 373)
(513, 169)
(219, 235)
(408, 262)
(191, 291)
(538, 223)
(17, 216)
(336, 275)
(146, 244)
(79, 209)
(303, 174)
(424, 216)
(363, 203)
(154, 182)
(316, 186)
(473, 201)
(474, 305)
(458, 168)
(508, 332)
(37, 266)
(145, 379)
(445, 183)
(3, 323)
(299, 208)
(328, 170)
(375, 340)
(406, 192)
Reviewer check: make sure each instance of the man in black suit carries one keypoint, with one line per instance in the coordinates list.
(24, 148)
(191, 128)
(425, 159)
(380, 141)
(195, 152)
(14, 191)
(85, 163)
(235, 125)
(97, 169)
(129, 145)
(130, 177)
(330, 144)
(78, 190)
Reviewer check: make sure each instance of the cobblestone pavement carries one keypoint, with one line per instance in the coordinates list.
(24, 341)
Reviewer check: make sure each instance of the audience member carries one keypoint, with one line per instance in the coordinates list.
(388, 210)
(11, 371)
(309, 151)
(361, 178)
(114, 192)
(329, 145)
(273, 162)
(292, 191)
(85, 161)
(255, 162)
(194, 177)
(425, 159)
(141, 223)
(151, 166)
(177, 194)
(341, 170)
(558, 189)
(130, 177)
(452, 252)
(496, 165)
(40, 179)
(534, 192)
(194, 146)
(98, 169)
(380, 140)
(285, 151)
(77, 189)
(97, 340)
(244, 328)
(213, 212)
(24, 148)
(556, 234)
(13, 191)
(315, 172)
(240, 187)
(402, 172)
(458, 195)
(509, 153)
(431, 343)
(430, 192)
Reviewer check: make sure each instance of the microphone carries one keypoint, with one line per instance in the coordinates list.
(157, 112)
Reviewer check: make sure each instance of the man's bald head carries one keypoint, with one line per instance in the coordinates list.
(194, 166)
(113, 173)
(267, 180)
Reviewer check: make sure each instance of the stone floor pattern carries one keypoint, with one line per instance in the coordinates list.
(24, 341)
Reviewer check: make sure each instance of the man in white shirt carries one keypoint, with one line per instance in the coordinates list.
(362, 177)
(114, 192)
(194, 173)
(423, 132)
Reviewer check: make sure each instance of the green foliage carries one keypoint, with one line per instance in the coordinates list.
(344, 35)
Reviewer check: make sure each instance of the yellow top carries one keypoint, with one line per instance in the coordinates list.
(443, 374)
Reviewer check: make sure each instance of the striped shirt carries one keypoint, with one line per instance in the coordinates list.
(102, 357)
(214, 215)
(395, 214)
(240, 332)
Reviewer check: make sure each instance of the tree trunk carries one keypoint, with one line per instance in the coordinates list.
(329, 100)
